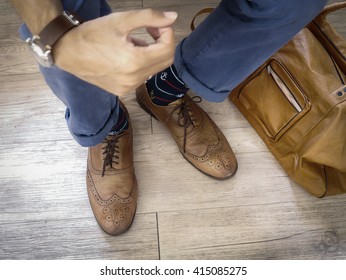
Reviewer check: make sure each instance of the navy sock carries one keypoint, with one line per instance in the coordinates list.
(122, 123)
(166, 87)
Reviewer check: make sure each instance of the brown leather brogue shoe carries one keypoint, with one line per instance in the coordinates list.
(199, 140)
(111, 182)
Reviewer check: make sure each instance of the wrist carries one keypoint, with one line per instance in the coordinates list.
(42, 44)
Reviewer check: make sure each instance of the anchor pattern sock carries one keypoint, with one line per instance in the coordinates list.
(166, 87)
(122, 123)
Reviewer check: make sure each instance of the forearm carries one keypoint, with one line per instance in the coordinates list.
(37, 13)
(102, 51)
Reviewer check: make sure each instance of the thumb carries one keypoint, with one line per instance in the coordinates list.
(146, 18)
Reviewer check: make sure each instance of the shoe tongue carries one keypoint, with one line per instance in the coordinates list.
(176, 102)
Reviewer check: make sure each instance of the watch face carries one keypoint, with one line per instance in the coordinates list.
(42, 54)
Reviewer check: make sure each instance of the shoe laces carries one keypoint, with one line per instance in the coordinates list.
(110, 152)
(185, 115)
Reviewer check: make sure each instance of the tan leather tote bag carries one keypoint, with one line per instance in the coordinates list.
(296, 101)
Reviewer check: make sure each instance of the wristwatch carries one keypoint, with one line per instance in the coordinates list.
(41, 45)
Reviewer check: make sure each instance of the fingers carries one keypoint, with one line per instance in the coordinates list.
(116, 61)
(158, 25)
(163, 49)
(154, 57)
(154, 32)
(127, 83)
(144, 18)
(156, 69)
(137, 41)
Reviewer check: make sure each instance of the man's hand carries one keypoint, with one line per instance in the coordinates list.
(103, 53)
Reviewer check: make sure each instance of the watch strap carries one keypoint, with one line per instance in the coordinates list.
(54, 30)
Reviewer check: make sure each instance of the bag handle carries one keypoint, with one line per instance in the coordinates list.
(327, 10)
(332, 8)
(201, 12)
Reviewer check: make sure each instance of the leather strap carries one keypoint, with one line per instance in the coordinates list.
(201, 12)
(327, 10)
(332, 8)
(57, 28)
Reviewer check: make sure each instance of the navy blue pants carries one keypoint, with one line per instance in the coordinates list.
(224, 49)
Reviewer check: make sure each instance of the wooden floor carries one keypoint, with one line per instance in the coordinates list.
(182, 214)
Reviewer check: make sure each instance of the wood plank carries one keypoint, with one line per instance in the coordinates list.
(32, 108)
(78, 238)
(265, 231)
(9, 21)
(178, 185)
(115, 4)
(48, 168)
(52, 175)
(16, 60)
(163, 175)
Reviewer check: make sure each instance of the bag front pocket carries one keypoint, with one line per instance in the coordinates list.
(274, 99)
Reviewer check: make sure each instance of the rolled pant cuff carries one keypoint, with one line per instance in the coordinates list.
(94, 139)
(194, 84)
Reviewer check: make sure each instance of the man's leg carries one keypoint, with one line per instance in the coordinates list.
(236, 39)
(228, 46)
(98, 120)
